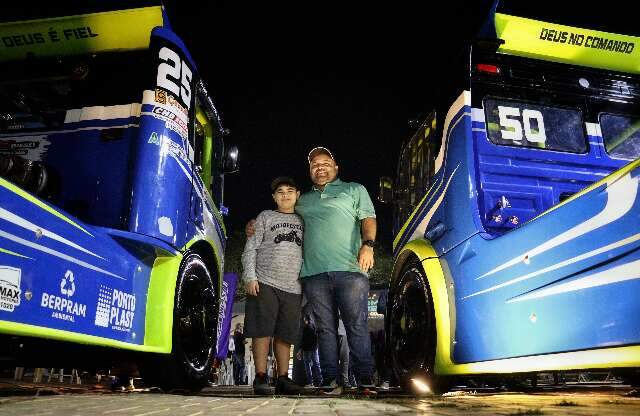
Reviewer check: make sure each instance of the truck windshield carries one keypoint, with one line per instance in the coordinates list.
(621, 135)
(529, 124)
(36, 94)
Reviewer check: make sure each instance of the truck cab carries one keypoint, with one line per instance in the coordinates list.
(112, 163)
(516, 210)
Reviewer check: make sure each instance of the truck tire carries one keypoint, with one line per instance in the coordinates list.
(195, 319)
(411, 330)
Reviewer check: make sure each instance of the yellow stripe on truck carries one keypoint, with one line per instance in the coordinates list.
(73, 35)
(567, 44)
(18, 191)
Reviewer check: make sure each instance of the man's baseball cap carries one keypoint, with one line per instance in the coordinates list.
(319, 150)
(282, 180)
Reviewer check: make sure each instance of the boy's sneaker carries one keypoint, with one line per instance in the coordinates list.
(285, 385)
(261, 386)
(331, 388)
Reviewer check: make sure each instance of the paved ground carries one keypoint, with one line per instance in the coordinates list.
(31, 400)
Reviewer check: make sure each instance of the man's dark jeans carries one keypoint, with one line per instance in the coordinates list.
(348, 293)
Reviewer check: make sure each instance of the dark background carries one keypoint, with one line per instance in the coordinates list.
(346, 75)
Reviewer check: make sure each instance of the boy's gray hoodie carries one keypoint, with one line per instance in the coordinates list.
(273, 255)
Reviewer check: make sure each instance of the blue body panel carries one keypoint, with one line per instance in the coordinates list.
(162, 176)
(73, 277)
(563, 281)
(545, 302)
(96, 188)
(161, 184)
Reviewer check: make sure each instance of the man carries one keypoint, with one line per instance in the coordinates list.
(309, 353)
(238, 356)
(340, 233)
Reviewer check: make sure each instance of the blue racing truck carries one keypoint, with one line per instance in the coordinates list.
(112, 164)
(517, 209)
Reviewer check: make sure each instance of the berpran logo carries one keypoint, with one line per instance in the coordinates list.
(9, 288)
(64, 308)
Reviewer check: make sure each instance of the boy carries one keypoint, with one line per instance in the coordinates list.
(271, 261)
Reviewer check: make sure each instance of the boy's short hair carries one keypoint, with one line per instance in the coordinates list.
(282, 180)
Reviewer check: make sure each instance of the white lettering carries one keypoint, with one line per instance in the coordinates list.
(63, 308)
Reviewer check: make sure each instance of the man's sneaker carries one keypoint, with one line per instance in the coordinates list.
(261, 386)
(349, 389)
(285, 385)
(384, 385)
(366, 385)
(331, 388)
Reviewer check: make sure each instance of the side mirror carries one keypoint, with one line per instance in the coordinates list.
(385, 194)
(230, 163)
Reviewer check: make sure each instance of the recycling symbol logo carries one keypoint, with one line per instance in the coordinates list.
(67, 285)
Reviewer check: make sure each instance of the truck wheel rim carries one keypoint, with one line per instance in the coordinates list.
(410, 323)
(197, 320)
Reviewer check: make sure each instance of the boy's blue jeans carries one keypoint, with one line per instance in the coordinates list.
(348, 293)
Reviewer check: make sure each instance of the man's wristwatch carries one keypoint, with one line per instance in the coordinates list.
(370, 243)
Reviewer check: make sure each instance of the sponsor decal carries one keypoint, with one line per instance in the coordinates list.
(155, 139)
(115, 309)
(9, 288)
(30, 147)
(172, 120)
(173, 147)
(17, 148)
(63, 307)
(161, 97)
(173, 92)
(222, 307)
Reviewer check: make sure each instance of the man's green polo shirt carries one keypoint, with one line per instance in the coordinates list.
(332, 227)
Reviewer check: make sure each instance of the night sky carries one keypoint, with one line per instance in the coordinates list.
(289, 77)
